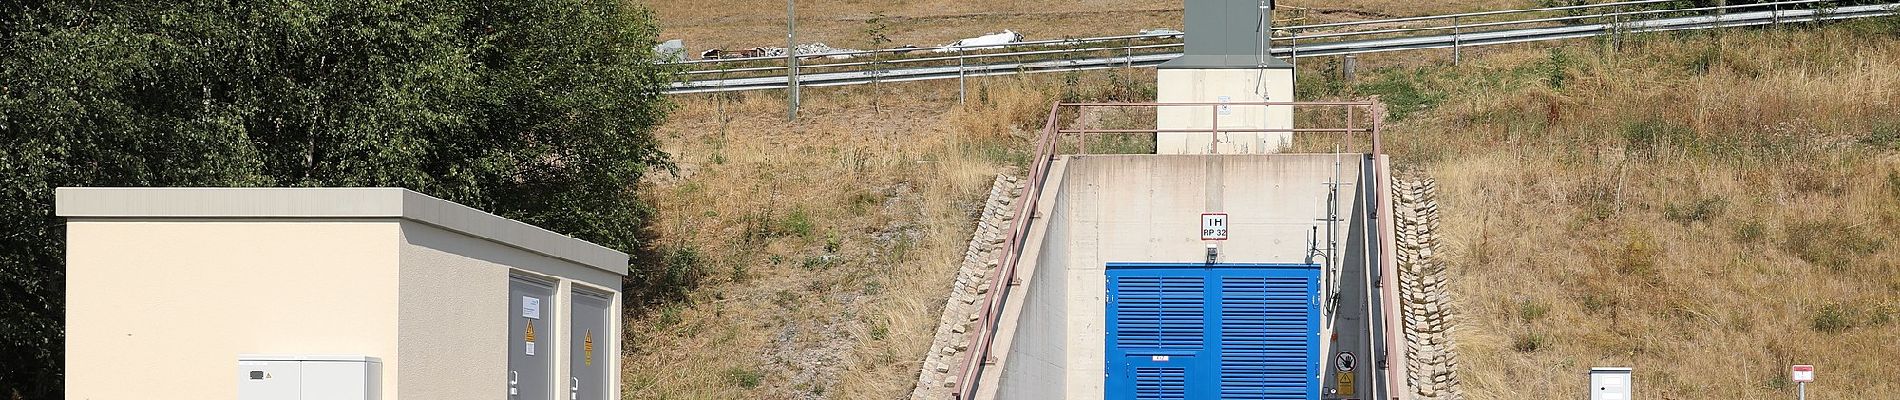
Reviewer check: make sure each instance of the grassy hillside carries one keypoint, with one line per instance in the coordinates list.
(1707, 208)
(732, 24)
(825, 248)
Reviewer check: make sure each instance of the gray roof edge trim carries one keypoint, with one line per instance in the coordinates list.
(328, 203)
(466, 220)
(227, 202)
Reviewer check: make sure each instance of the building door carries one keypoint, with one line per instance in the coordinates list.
(589, 341)
(1156, 334)
(1225, 331)
(531, 339)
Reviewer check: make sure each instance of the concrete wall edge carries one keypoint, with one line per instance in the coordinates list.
(330, 203)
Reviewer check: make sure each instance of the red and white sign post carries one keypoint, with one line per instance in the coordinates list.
(1802, 374)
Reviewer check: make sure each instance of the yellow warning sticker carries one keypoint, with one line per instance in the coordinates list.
(529, 336)
(1345, 384)
(590, 347)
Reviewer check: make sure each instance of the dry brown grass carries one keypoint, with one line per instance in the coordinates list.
(830, 244)
(841, 23)
(1706, 209)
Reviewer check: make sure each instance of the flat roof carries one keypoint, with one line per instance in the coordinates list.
(1224, 61)
(255, 203)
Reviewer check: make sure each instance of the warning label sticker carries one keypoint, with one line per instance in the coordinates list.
(528, 337)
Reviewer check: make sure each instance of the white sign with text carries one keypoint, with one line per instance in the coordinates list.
(1214, 226)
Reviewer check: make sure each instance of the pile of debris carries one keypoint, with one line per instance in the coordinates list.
(982, 42)
(805, 51)
(673, 50)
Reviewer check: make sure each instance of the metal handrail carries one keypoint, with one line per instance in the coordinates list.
(1047, 42)
(931, 58)
(1475, 14)
(1134, 53)
(1550, 19)
(1047, 148)
(938, 49)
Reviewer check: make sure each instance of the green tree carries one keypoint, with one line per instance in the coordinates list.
(540, 111)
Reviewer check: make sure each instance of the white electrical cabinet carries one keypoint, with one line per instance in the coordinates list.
(303, 377)
(1610, 383)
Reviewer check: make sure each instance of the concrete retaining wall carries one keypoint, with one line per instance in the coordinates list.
(1146, 208)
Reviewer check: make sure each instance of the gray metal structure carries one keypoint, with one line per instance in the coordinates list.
(1227, 34)
(531, 339)
(1571, 22)
(588, 361)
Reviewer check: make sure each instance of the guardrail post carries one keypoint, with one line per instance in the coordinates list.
(960, 84)
(791, 62)
(1130, 61)
(1616, 30)
(1349, 68)
(1721, 12)
(1293, 45)
(1456, 44)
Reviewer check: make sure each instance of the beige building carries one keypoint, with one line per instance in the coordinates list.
(1189, 84)
(1225, 60)
(169, 288)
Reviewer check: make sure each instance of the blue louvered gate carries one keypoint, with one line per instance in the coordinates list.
(1229, 331)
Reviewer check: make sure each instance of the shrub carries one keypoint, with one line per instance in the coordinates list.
(1529, 342)
(1883, 314)
(741, 272)
(1557, 67)
(1893, 184)
(669, 316)
(1833, 244)
(744, 377)
(1653, 134)
(1639, 257)
(682, 270)
(797, 223)
(819, 262)
(1531, 310)
(1833, 318)
(1598, 299)
(1404, 94)
(1750, 232)
(1884, 135)
(538, 111)
(1701, 62)
(861, 201)
(1701, 210)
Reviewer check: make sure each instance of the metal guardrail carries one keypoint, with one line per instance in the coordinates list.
(1049, 145)
(1453, 31)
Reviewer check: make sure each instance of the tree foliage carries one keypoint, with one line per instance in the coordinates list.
(540, 111)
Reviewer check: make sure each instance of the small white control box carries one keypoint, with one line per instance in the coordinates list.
(1610, 383)
(306, 377)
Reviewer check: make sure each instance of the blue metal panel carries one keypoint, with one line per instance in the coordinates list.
(1228, 331)
(1160, 313)
(1154, 383)
(1267, 346)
